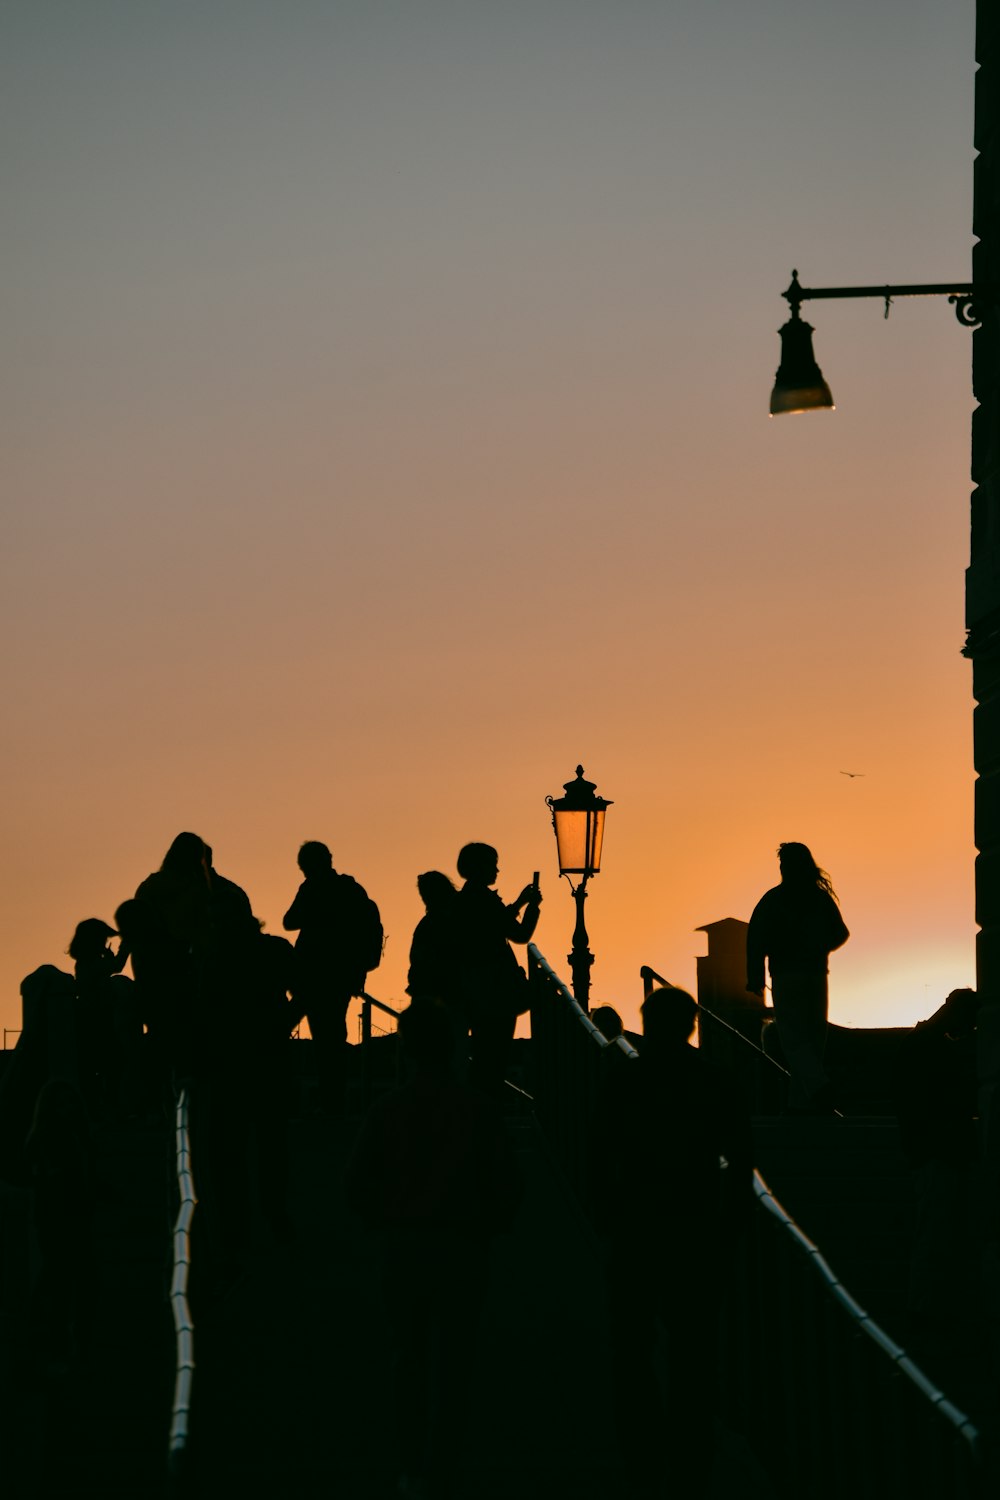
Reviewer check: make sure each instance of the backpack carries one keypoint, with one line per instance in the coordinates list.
(367, 937)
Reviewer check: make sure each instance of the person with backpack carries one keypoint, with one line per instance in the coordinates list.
(339, 942)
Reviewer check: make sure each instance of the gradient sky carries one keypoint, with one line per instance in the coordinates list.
(385, 431)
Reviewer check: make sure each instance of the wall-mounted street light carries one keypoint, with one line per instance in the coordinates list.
(799, 385)
(578, 821)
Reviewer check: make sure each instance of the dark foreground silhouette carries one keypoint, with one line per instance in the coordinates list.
(432, 1174)
(665, 1207)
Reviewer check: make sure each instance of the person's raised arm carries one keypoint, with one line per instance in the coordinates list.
(520, 929)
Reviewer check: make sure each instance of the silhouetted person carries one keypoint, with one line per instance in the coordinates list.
(58, 1149)
(108, 1021)
(339, 941)
(191, 943)
(433, 1175)
(94, 961)
(796, 926)
(171, 939)
(163, 978)
(48, 1047)
(234, 927)
(432, 958)
(68, 1033)
(179, 893)
(666, 1207)
(608, 1022)
(201, 935)
(936, 1105)
(491, 983)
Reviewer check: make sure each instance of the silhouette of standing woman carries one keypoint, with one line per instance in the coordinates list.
(796, 926)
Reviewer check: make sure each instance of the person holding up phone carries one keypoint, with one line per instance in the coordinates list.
(492, 984)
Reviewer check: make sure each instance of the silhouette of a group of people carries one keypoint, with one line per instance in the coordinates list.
(213, 998)
(213, 1001)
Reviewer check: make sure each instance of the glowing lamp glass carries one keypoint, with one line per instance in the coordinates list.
(578, 820)
(579, 840)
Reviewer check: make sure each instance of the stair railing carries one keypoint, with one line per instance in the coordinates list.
(570, 1056)
(183, 1322)
(368, 1003)
(822, 1393)
(763, 1079)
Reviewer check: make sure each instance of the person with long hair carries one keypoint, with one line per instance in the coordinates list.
(795, 927)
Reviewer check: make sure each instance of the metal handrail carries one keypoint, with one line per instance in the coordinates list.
(380, 1005)
(367, 1001)
(703, 1010)
(762, 1078)
(580, 1015)
(570, 1056)
(869, 1333)
(864, 1323)
(183, 1322)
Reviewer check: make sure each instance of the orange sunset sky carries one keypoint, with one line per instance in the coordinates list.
(385, 431)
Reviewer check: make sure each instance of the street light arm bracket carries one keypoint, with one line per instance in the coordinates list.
(968, 310)
(968, 300)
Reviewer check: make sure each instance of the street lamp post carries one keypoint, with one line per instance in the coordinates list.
(799, 385)
(578, 821)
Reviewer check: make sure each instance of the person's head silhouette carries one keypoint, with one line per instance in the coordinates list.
(435, 888)
(478, 864)
(798, 868)
(315, 859)
(608, 1021)
(668, 1017)
(187, 855)
(90, 938)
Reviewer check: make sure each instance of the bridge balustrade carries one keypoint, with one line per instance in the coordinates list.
(830, 1403)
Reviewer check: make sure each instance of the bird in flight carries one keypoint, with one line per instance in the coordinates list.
(852, 774)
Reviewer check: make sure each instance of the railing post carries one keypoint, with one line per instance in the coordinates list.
(366, 1051)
